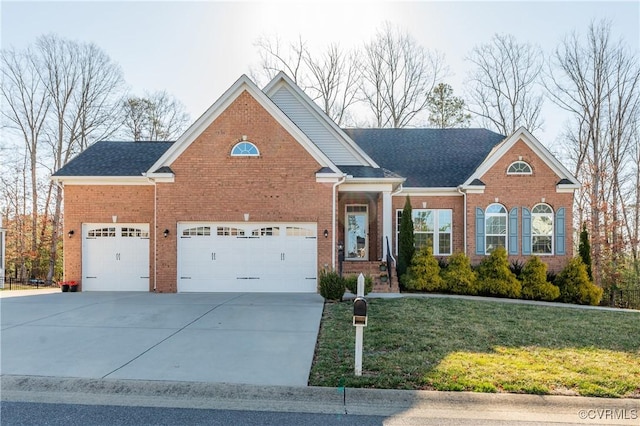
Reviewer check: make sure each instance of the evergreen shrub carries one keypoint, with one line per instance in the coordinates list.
(495, 278)
(534, 281)
(424, 272)
(458, 277)
(351, 283)
(575, 286)
(332, 285)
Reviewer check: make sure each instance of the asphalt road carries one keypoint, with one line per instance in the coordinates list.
(29, 414)
(23, 414)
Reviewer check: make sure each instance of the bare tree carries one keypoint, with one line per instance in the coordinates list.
(503, 88)
(445, 109)
(274, 57)
(397, 76)
(333, 81)
(330, 78)
(85, 89)
(26, 104)
(156, 116)
(598, 81)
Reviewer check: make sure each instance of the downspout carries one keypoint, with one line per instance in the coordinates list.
(464, 195)
(393, 194)
(333, 221)
(155, 233)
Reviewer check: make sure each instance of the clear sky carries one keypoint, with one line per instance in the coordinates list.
(196, 50)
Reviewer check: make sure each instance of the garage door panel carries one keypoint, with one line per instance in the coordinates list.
(115, 257)
(251, 257)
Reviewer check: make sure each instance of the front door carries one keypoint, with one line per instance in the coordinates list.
(356, 232)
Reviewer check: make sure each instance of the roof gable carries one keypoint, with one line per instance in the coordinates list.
(536, 146)
(323, 131)
(241, 85)
(428, 158)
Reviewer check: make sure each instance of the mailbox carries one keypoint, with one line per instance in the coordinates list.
(360, 311)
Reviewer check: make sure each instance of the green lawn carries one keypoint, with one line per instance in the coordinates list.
(482, 346)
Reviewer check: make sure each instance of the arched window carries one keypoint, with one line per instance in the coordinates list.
(495, 227)
(519, 168)
(542, 229)
(244, 149)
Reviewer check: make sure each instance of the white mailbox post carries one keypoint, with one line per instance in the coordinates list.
(359, 321)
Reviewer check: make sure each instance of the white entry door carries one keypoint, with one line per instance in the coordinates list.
(356, 232)
(247, 257)
(115, 257)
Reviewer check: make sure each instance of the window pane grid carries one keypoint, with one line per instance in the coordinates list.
(431, 228)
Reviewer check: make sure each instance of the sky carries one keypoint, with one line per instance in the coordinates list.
(196, 50)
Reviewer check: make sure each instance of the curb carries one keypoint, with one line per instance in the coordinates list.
(351, 401)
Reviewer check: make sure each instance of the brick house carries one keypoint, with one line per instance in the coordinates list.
(263, 191)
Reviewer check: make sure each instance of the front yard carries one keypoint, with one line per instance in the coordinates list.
(482, 346)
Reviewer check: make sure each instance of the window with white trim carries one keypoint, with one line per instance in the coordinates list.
(431, 228)
(542, 229)
(244, 149)
(519, 168)
(495, 227)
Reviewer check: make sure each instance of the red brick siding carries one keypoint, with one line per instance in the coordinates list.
(97, 204)
(521, 191)
(210, 185)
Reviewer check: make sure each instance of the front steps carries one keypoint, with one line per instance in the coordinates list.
(378, 270)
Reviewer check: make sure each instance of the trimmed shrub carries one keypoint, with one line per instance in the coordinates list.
(331, 285)
(575, 286)
(534, 281)
(351, 282)
(495, 278)
(424, 272)
(458, 277)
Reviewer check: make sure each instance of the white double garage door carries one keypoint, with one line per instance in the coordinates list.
(212, 257)
(247, 257)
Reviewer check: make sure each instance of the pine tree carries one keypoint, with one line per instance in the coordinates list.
(585, 249)
(406, 243)
(445, 109)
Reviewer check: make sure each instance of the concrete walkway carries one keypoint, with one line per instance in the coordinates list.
(259, 339)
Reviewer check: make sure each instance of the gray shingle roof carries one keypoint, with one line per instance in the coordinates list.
(428, 158)
(115, 159)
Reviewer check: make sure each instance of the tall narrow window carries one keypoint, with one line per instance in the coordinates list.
(495, 227)
(542, 229)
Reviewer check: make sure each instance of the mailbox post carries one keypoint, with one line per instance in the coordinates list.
(359, 321)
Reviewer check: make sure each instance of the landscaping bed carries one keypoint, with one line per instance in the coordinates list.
(482, 346)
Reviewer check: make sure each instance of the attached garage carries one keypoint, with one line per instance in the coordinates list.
(115, 257)
(247, 257)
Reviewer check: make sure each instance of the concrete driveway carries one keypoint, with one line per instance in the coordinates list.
(250, 338)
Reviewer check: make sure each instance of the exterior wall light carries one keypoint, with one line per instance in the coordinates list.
(70, 233)
(166, 233)
(326, 233)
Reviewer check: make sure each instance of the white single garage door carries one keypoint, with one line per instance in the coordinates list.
(115, 257)
(247, 257)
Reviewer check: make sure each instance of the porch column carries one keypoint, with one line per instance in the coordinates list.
(387, 222)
